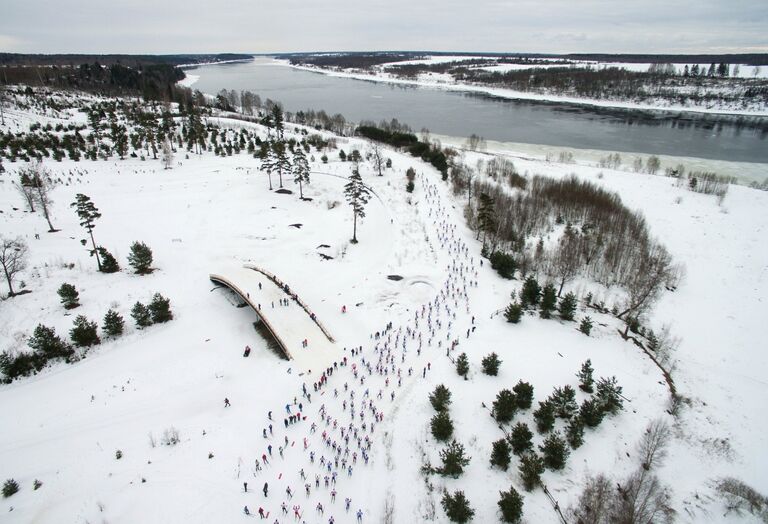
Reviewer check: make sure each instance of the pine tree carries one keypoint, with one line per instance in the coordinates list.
(88, 214)
(70, 298)
(544, 417)
(505, 406)
(504, 264)
(140, 258)
(531, 293)
(83, 332)
(567, 306)
(10, 487)
(357, 195)
(491, 364)
(141, 315)
(113, 324)
(46, 343)
(511, 505)
(500, 454)
(442, 426)
(160, 309)
(563, 401)
(108, 262)
(575, 432)
(531, 467)
(591, 413)
(585, 377)
(453, 459)
(523, 394)
(586, 326)
(548, 301)
(457, 507)
(521, 438)
(554, 451)
(609, 395)
(513, 312)
(300, 170)
(440, 398)
(462, 365)
(486, 216)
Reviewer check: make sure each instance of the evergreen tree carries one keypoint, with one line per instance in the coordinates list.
(442, 426)
(440, 398)
(523, 394)
(504, 264)
(108, 262)
(586, 326)
(160, 309)
(511, 505)
(10, 487)
(140, 258)
(585, 377)
(531, 467)
(83, 332)
(453, 459)
(531, 293)
(88, 214)
(462, 365)
(45, 342)
(554, 451)
(513, 312)
(548, 301)
(521, 438)
(500, 454)
(300, 170)
(113, 324)
(544, 417)
(609, 395)
(563, 401)
(591, 412)
(491, 364)
(567, 306)
(70, 298)
(575, 432)
(141, 315)
(357, 195)
(505, 406)
(486, 216)
(457, 507)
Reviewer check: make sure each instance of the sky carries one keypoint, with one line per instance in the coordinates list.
(270, 26)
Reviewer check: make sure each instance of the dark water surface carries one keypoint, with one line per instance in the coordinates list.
(743, 139)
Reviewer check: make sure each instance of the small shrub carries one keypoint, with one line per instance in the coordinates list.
(586, 326)
(511, 505)
(457, 507)
(453, 459)
(462, 365)
(491, 364)
(160, 308)
(70, 298)
(83, 332)
(440, 398)
(141, 315)
(140, 258)
(118, 454)
(513, 312)
(10, 487)
(37, 484)
(170, 437)
(442, 426)
(113, 324)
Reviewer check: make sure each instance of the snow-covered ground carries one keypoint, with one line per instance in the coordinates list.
(447, 82)
(64, 425)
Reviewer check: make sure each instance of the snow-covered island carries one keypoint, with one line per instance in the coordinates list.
(474, 332)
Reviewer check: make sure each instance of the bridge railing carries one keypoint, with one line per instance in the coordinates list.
(279, 283)
(225, 281)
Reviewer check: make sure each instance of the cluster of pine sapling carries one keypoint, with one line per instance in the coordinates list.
(605, 399)
(533, 296)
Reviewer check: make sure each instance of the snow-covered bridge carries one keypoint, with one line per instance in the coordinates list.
(289, 324)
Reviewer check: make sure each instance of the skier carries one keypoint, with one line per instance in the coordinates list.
(245, 487)
(266, 489)
(246, 511)
(226, 402)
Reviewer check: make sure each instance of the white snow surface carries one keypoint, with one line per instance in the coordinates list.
(64, 425)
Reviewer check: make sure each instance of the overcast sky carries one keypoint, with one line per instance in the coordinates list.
(265, 26)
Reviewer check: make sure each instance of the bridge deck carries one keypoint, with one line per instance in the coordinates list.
(289, 324)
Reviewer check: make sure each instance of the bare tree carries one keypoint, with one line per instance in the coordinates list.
(167, 155)
(653, 446)
(13, 258)
(643, 499)
(24, 187)
(42, 184)
(377, 157)
(566, 261)
(594, 503)
(653, 270)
